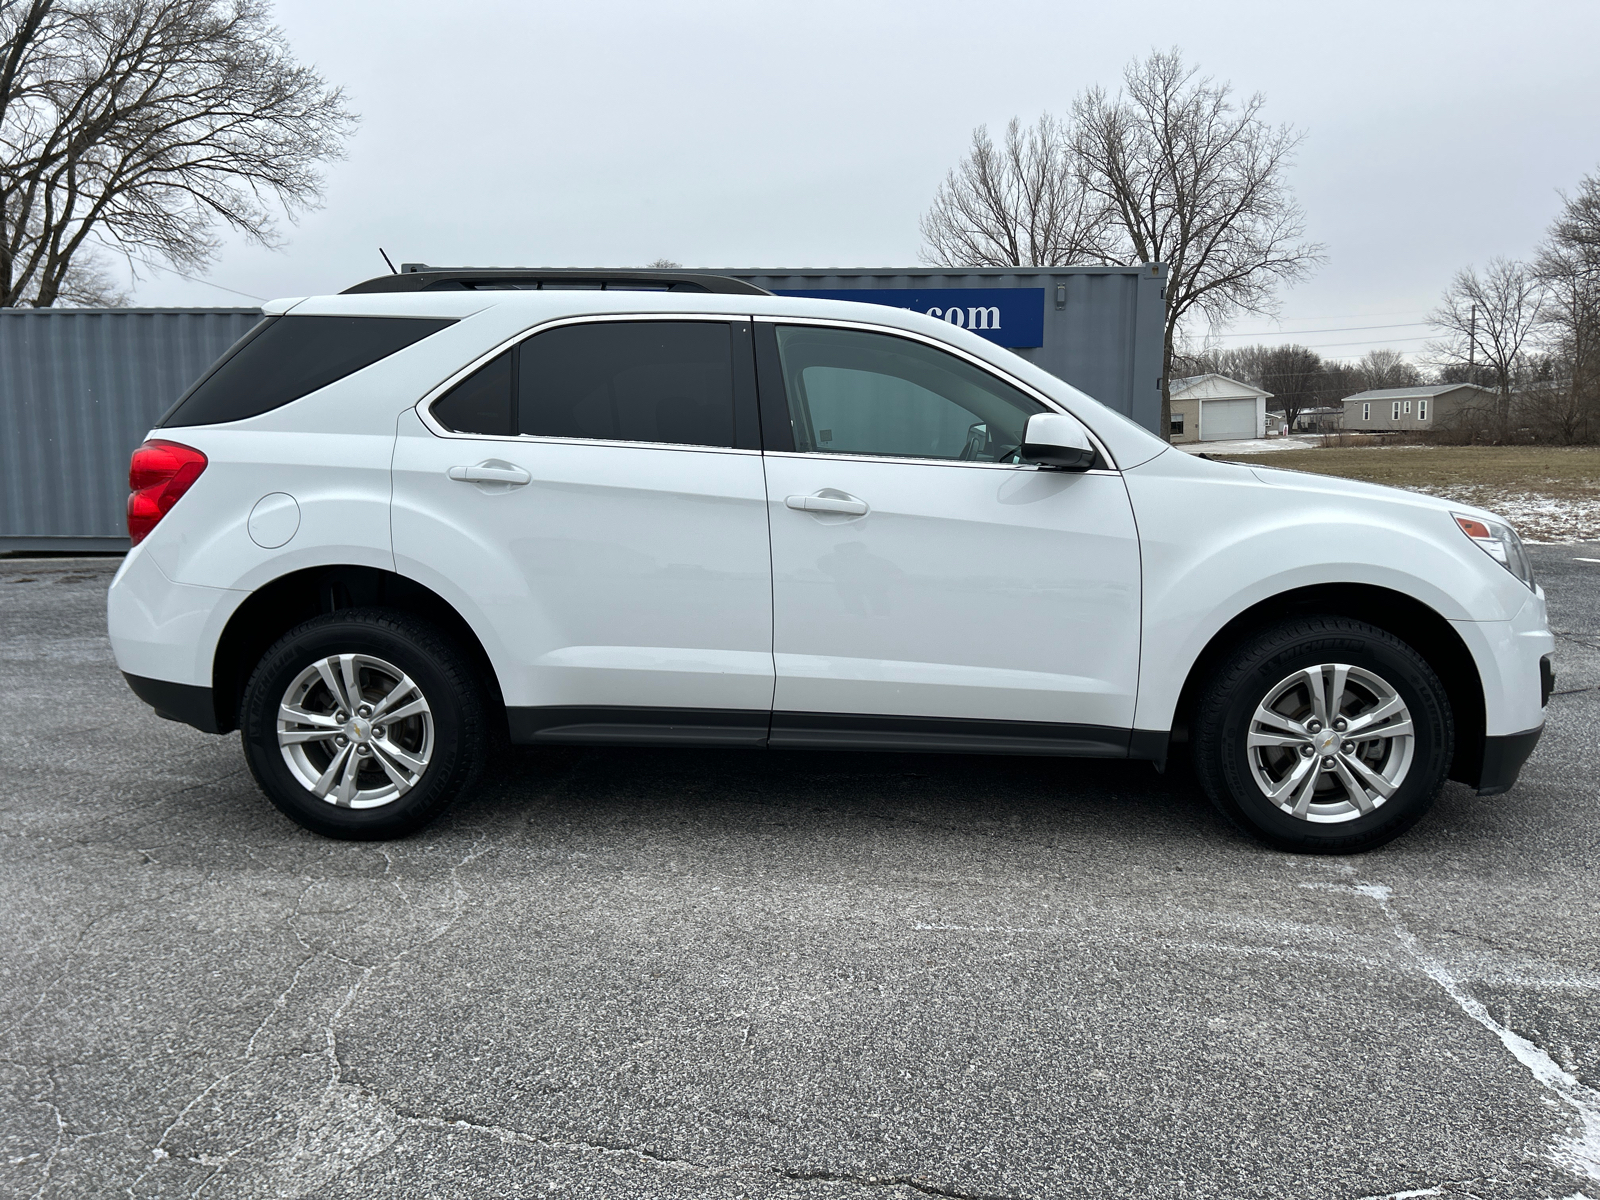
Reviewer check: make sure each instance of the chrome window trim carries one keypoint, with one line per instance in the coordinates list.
(986, 367)
(812, 456)
(424, 406)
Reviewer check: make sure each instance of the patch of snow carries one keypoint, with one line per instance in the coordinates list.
(1581, 1151)
(1536, 517)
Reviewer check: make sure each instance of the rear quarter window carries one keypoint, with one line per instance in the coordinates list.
(284, 358)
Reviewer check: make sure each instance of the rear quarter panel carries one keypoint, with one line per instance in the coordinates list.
(331, 451)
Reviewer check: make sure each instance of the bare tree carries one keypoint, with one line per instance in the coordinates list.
(1386, 368)
(1018, 205)
(1294, 376)
(1491, 319)
(1193, 179)
(1341, 379)
(1578, 226)
(141, 126)
(1243, 363)
(1560, 407)
(1569, 267)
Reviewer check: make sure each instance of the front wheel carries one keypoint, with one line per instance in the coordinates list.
(1324, 735)
(364, 724)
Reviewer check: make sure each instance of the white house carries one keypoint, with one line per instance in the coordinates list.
(1214, 408)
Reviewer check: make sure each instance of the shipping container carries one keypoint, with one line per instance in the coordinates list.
(79, 389)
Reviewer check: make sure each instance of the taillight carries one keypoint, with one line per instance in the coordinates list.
(159, 475)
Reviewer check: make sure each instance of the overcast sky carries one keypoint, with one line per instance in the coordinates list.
(780, 134)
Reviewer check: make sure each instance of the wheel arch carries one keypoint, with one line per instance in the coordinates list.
(276, 607)
(1408, 618)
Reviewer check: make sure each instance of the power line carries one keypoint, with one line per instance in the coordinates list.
(1399, 312)
(1340, 329)
(196, 279)
(1369, 342)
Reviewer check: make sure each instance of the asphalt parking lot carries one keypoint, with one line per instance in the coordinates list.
(720, 974)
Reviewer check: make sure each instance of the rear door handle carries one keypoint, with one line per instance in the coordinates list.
(490, 473)
(844, 504)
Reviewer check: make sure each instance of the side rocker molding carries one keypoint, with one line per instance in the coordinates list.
(948, 735)
(821, 731)
(627, 726)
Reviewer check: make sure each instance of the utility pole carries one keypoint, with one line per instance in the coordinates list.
(1472, 346)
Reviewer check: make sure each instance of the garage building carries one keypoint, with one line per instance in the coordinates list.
(1214, 408)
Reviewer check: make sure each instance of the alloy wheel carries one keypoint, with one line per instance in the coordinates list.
(355, 731)
(1330, 743)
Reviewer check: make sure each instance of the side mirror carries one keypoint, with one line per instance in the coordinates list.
(1057, 440)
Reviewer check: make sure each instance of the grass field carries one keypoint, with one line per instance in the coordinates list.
(1551, 493)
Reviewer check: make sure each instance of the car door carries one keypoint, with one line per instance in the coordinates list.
(592, 500)
(928, 589)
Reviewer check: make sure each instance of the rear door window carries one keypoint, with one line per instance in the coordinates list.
(629, 381)
(285, 358)
(617, 381)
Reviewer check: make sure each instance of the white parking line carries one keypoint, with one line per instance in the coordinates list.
(1575, 558)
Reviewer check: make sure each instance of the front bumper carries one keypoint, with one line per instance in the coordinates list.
(1503, 758)
(1513, 659)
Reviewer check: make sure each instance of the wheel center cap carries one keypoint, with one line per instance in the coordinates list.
(1327, 742)
(357, 730)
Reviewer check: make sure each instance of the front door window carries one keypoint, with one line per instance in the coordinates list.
(852, 392)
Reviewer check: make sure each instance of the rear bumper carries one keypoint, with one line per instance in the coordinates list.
(165, 630)
(1503, 758)
(185, 702)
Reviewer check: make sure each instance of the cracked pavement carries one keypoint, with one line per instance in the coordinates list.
(641, 973)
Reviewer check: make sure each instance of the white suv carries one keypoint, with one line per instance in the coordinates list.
(394, 528)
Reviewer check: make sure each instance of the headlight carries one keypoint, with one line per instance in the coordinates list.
(1501, 543)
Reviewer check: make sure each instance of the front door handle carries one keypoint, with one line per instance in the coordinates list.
(490, 472)
(842, 503)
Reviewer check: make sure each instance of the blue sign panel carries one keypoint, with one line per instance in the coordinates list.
(1008, 316)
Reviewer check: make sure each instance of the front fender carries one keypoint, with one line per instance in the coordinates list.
(1216, 540)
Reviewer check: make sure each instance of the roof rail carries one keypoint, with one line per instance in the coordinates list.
(419, 277)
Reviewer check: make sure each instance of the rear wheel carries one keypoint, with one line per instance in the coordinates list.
(1325, 735)
(363, 724)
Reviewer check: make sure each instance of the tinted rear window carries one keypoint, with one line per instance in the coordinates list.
(285, 358)
(631, 381)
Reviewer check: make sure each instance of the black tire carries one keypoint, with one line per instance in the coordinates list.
(447, 681)
(1227, 707)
